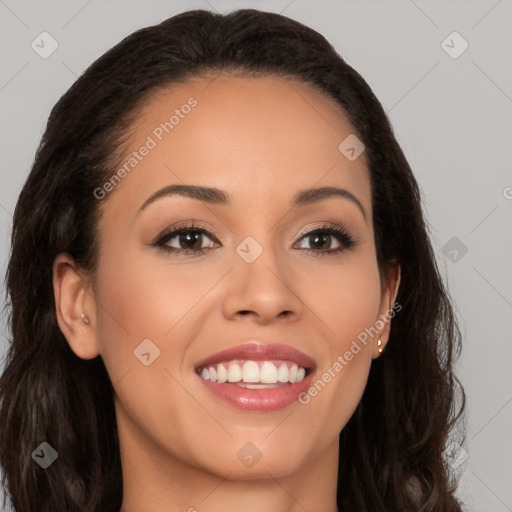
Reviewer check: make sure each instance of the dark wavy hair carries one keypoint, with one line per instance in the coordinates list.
(391, 450)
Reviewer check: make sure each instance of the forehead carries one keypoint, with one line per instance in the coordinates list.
(257, 138)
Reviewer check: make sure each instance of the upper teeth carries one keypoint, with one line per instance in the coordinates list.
(265, 372)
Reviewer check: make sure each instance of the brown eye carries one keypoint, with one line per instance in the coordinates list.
(327, 240)
(186, 240)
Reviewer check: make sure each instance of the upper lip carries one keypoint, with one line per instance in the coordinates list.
(258, 351)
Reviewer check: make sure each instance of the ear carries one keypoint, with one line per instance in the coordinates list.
(390, 284)
(75, 307)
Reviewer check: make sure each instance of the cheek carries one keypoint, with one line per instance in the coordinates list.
(346, 302)
(143, 297)
(142, 328)
(345, 298)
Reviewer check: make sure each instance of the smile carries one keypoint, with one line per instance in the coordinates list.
(251, 372)
(257, 377)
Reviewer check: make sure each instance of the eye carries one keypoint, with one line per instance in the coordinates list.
(326, 240)
(192, 239)
(189, 239)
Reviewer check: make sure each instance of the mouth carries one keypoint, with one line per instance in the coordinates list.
(257, 377)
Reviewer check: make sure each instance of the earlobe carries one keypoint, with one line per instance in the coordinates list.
(74, 307)
(387, 311)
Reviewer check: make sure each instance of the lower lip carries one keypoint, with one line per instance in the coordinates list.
(271, 399)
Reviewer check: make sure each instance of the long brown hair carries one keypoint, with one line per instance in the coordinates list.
(391, 450)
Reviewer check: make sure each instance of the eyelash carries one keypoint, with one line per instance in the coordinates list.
(346, 240)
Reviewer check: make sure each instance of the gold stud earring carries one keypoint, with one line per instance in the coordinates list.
(379, 343)
(86, 319)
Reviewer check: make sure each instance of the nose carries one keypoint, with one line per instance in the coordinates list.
(262, 291)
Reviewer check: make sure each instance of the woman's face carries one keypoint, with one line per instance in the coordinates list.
(246, 275)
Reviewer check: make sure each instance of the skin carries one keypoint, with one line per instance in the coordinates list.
(260, 140)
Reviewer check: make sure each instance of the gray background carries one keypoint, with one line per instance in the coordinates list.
(452, 117)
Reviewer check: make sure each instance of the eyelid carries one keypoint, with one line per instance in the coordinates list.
(323, 225)
(185, 225)
(345, 239)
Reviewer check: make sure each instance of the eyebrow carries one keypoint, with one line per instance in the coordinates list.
(213, 195)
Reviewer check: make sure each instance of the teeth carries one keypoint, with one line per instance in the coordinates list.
(258, 386)
(234, 373)
(222, 373)
(251, 372)
(260, 376)
(268, 373)
(282, 374)
(292, 377)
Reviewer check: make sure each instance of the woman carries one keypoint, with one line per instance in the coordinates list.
(222, 287)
